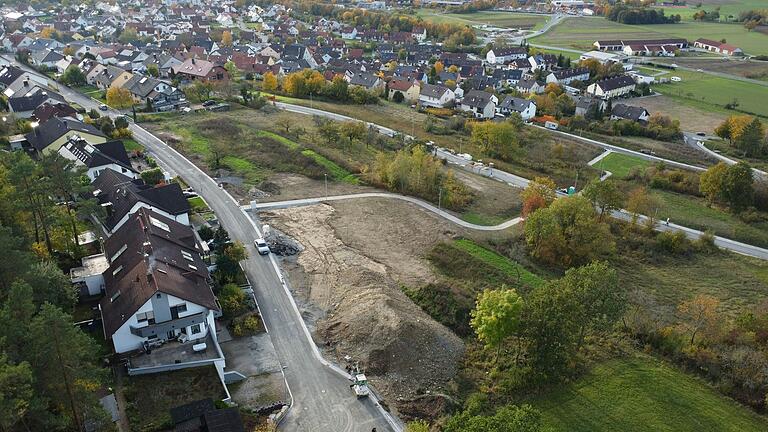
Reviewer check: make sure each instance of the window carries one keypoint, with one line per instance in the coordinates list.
(146, 316)
(117, 270)
(159, 295)
(195, 329)
(181, 308)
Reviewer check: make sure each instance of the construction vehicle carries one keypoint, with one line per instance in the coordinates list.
(360, 385)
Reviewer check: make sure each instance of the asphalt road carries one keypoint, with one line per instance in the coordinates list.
(322, 399)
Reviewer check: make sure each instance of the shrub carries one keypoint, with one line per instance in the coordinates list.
(673, 242)
(205, 232)
(245, 325)
(232, 300)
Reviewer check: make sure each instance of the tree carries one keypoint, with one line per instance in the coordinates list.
(640, 202)
(201, 90)
(270, 83)
(73, 76)
(68, 186)
(16, 395)
(330, 131)
(153, 70)
(605, 195)
(496, 139)
(338, 89)
(63, 361)
(353, 130)
(17, 311)
(538, 194)
(284, 123)
(51, 285)
(712, 182)
(118, 97)
(121, 122)
(751, 138)
(439, 67)
(496, 316)
(236, 251)
(601, 300)
(567, 233)
(699, 314)
(738, 187)
(226, 38)
(31, 191)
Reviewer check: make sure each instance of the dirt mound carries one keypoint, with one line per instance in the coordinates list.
(356, 284)
(281, 244)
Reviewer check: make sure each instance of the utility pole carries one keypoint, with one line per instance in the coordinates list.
(326, 185)
(440, 198)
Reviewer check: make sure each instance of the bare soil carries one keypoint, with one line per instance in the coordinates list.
(357, 255)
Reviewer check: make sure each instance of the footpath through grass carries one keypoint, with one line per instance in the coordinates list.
(643, 394)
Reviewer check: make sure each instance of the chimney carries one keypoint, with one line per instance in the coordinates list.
(193, 60)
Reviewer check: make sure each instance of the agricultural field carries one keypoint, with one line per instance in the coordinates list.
(497, 19)
(713, 93)
(640, 393)
(580, 33)
(727, 8)
(692, 118)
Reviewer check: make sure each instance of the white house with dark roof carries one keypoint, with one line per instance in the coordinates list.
(612, 87)
(435, 96)
(480, 103)
(505, 55)
(525, 107)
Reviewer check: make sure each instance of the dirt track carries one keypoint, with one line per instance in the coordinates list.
(357, 256)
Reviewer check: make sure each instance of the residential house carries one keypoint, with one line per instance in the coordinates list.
(195, 69)
(525, 107)
(481, 104)
(95, 158)
(45, 58)
(628, 112)
(367, 81)
(46, 110)
(409, 88)
(48, 137)
(612, 87)
(111, 76)
(22, 104)
(156, 286)
(530, 86)
(587, 106)
(121, 196)
(542, 61)
(436, 96)
(564, 77)
(505, 55)
(158, 95)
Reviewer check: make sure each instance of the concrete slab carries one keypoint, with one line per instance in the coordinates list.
(251, 355)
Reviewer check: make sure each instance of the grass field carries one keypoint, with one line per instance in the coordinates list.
(580, 33)
(197, 204)
(643, 394)
(500, 262)
(497, 19)
(712, 93)
(336, 172)
(131, 144)
(620, 164)
(727, 7)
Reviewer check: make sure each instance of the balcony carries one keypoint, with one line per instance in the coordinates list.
(161, 329)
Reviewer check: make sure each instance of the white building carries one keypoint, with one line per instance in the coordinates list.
(435, 96)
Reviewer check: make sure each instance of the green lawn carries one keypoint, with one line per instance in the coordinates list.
(620, 164)
(131, 144)
(500, 262)
(197, 204)
(643, 394)
(580, 33)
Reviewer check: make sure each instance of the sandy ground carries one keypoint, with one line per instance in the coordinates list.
(357, 256)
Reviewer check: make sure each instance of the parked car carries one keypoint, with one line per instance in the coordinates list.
(209, 103)
(261, 246)
(103, 107)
